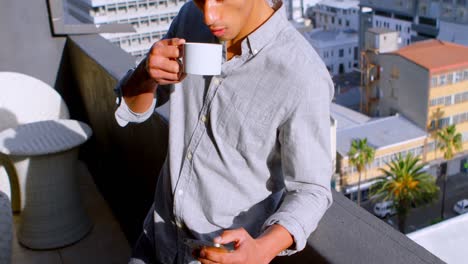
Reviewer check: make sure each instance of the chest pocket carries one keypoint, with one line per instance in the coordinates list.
(244, 123)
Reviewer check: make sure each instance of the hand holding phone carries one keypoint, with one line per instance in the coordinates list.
(199, 244)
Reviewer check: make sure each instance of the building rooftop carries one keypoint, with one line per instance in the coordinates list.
(347, 118)
(380, 133)
(325, 38)
(377, 30)
(342, 4)
(436, 55)
(447, 239)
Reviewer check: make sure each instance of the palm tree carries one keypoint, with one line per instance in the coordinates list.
(450, 141)
(434, 128)
(360, 155)
(406, 184)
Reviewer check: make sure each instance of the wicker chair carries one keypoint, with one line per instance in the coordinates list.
(38, 155)
(6, 229)
(24, 99)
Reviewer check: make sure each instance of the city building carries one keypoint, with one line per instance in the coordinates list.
(417, 89)
(337, 48)
(296, 9)
(150, 18)
(335, 14)
(417, 19)
(389, 136)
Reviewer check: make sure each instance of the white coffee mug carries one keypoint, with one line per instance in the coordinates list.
(202, 58)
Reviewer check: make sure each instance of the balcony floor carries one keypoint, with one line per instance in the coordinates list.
(105, 243)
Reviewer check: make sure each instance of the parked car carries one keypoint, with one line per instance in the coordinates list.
(461, 206)
(384, 209)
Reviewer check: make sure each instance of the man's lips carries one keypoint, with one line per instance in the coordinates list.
(218, 31)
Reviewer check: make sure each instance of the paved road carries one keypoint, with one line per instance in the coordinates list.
(457, 189)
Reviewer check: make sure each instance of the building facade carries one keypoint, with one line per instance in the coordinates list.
(417, 19)
(426, 84)
(150, 18)
(336, 14)
(337, 48)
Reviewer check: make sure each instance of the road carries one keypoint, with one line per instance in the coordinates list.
(457, 189)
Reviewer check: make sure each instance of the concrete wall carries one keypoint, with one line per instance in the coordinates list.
(406, 94)
(125, 162)
(26, 42)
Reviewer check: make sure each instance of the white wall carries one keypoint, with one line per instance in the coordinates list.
(329, 20)
(331, 56)
(402, 26)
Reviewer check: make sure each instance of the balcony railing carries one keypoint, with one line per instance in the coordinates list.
(346, 234)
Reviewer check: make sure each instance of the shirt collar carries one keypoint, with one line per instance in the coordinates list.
(263, 35)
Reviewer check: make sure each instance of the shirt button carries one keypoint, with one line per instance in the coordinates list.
(216, 81)
(255, 51)
(204, 119)
(180, 192)
(189, 156)
(179, 224)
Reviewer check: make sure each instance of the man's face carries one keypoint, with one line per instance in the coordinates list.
(227, 19)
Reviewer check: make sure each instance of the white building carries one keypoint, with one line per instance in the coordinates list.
(336, 14)
(150, 18)
(417, 19)
(403, 27)
(295, 9)
(337, 48)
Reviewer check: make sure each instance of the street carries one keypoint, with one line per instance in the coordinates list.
(457, 189)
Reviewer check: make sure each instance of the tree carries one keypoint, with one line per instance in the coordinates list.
(406, 184)
(433, 129)
(449, 142)
(360, 155)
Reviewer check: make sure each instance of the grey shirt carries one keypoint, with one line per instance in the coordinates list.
(248, 148)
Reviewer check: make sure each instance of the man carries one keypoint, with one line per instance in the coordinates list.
(249, 156)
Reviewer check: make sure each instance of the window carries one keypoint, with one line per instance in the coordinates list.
(341, 53)
(333, 20)
(434, 81)
(465, 75)
(444, 122)
(458, 77)
(347, 23)
(450, 78)
(448, 100)
(442, 80)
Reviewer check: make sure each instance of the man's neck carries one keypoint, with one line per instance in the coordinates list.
(260, 14)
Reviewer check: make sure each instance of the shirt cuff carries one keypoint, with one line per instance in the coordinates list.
(293, 227)
(124, 115)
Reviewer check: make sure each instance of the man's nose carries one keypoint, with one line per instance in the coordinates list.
(211, 12)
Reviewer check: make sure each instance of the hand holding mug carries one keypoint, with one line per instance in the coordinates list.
(163, 61)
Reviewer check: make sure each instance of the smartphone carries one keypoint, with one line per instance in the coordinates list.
(199, 244)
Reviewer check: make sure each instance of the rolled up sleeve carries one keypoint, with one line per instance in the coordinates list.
(307, 167)
(124, 115)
